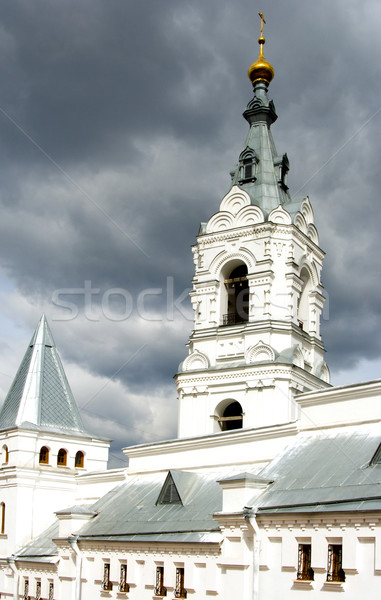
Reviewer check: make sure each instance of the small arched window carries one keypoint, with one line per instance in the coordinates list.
(231, 417)
(79, 460)
(62, 458)
(247, 166)
(2, 516)
(5, 455)
(44, 456)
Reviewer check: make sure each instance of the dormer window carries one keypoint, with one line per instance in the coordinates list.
(169, 493)
(282, 166)
(376, 459)
(247, 166)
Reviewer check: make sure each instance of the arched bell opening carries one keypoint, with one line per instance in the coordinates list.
(303, 313)
(237, 296)
(230, 415)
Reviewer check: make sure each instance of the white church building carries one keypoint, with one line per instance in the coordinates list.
(272, 488)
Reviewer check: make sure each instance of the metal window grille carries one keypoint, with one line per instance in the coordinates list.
(305, 572)
(106, 583)
(51, 591)
(38, 590)
(334, 570)
(123, 585)
(159, 587)
(26, 589)
(180, 591)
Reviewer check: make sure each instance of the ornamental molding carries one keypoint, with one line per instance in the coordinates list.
(306, 210)
(255, 231)
(280, 216)
(235, 200)
(255, 373)
(224, 257)
(259, 353)
(195, 360)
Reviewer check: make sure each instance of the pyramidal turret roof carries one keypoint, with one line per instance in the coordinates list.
(40, 396)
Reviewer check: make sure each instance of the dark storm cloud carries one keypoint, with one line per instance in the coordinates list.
(132, 119)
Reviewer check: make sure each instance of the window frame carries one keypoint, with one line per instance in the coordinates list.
(335, 571)
(38, 590)
(123, 585)
(62, 457)
(2, 517)
(51, 590)
(160, 589)
(26, 589)
(5, 454)
(106, 581)
(180, 591)
(82, 460)
(305, 571)
(43, 458)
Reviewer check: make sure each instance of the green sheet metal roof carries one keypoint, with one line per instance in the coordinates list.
(325, 471)
(40, 395)
(131, 509)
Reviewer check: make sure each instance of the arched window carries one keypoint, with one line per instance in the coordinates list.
(2, 516)
(231, 417)
(247, 166)
(44, 456)
(237, 288)
(79, 459)
(5, 455)
(62, 458)
(303, 302)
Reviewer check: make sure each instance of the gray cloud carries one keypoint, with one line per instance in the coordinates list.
(139, 104)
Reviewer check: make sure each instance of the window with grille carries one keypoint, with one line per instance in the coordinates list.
(160, 590)
(26, 590)
(335, 570)
(123, 585)
(51, 591)
(169, 493)
(247, 169)
(305, 572)
(180, 591)
(106, 583)
(44, 455)
(2, 516)
(62, 458)
(79, 460)
(38, 590)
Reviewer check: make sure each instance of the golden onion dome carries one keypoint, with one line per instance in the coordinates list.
(261, 68)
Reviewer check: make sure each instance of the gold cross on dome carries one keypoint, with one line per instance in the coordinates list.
(262, 21)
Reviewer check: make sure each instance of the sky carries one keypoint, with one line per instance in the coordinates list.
(119, 123)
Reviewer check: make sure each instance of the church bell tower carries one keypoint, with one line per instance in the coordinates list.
(257, 294)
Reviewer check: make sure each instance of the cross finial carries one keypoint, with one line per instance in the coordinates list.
(262, 21)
